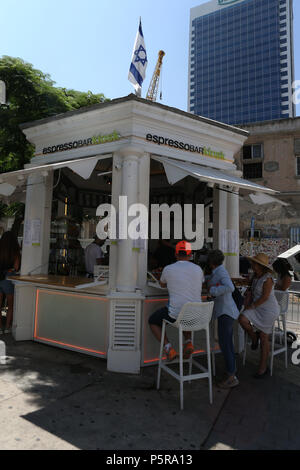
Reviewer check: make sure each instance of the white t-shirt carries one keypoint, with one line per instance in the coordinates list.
(92, 253)
(184, 281)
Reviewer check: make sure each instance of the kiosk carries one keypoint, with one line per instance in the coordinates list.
(151, 153)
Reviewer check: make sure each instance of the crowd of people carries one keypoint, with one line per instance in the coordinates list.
(256, 314)
(186, 281)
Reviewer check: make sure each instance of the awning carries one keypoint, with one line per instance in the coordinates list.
(177, 170)
(83, 167)
(262, 199)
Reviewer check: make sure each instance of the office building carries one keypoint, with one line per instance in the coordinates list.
(241, 65)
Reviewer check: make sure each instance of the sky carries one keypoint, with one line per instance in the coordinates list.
(87, 44)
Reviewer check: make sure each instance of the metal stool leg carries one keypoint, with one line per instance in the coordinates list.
(213, 345)
(181, 367)
(161, 353)
(245, 348)
(191, 359)
(272, 350)
(285, 339)
(209, 365)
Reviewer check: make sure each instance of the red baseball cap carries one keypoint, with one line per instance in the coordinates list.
(184, 246)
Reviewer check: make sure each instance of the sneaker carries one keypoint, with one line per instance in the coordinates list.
(188, 350)
(171, 354)
(229, 383)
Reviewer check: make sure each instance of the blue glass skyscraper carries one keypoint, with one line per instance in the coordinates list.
(241, 65)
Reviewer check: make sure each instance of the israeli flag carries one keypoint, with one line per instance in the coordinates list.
(139, 62)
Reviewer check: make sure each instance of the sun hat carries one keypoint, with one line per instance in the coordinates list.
(185, 247)
(262, 259)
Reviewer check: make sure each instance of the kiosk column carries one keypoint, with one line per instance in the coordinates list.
(37, 222)
(35, 251)
(219, 217)
(127, 268)
(124, 352)
(233, 231)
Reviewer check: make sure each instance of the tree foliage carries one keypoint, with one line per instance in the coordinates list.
(30, 95)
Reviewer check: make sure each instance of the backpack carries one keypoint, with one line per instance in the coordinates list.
(238, 298)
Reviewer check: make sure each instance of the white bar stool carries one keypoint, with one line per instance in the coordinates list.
(194, 316)
(283, 301)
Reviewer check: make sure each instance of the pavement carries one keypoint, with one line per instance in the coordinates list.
(53, 399)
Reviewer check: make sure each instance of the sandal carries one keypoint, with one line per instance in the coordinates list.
(261, 376)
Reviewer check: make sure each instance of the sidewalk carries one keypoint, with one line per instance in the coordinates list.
(56, 399)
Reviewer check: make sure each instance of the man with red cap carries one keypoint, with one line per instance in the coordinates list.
(184, 282)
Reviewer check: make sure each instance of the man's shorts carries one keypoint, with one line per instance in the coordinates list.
(160, 315)
(6, 287)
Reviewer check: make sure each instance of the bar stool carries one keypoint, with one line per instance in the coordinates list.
(283, 301)
(282, 298)
(194, 316)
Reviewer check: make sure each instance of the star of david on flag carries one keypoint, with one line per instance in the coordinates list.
(139, 62)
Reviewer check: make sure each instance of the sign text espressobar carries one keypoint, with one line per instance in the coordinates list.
(96, 140)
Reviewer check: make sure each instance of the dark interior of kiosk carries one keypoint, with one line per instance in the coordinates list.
(186, 191)
(74, 221)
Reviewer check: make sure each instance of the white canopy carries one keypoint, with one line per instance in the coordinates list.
(177, 170)
(83, 167)
(262, 199)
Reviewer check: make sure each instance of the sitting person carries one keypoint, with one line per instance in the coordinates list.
(283, 270)
(220, 288)
(184, 282)
(261, 309)
(10, 260)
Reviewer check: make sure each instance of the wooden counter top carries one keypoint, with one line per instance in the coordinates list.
(52, 280)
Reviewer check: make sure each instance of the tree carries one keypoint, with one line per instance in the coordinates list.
(31, 95)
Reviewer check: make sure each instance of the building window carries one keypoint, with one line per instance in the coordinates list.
(298, 166)
(253, 170)
(297, 146)
(252, 151)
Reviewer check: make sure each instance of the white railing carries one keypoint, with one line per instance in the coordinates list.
(293, 315)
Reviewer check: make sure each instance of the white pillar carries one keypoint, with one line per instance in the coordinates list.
(130, 179)
(127, 267)
(220, 217)
(144, 198)
(35, 257)
(233, 228)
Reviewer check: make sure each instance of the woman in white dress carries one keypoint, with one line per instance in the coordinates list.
(261, 309)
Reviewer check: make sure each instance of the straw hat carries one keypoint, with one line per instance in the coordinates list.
(261, 259)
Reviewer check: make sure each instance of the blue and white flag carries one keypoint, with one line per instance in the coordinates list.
(139, 62)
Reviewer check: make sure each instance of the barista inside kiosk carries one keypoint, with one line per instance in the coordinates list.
(93, 256)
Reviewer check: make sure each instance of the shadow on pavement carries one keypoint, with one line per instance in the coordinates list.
(261, 414)
(72, 399)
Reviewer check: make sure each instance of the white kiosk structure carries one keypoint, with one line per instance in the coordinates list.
(111, 321)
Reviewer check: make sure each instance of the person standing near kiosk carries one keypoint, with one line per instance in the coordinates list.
(93, 256)
(184, 282)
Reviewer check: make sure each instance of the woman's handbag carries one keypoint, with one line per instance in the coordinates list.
(238, 298)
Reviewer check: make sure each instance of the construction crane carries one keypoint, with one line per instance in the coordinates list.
(153, 88)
